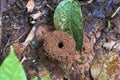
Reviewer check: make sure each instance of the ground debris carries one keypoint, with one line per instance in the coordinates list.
(16, 24)
(109, 45)
(30, 5)
(105, 66)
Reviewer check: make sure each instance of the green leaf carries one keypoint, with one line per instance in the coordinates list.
(68, 18)
(82, 58)
(11, 68)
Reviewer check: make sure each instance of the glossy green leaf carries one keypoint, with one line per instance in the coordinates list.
(11, 68)
(68, 18)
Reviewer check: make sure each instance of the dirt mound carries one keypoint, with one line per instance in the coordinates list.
(60, 46)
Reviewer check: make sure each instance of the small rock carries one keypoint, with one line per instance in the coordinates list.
(36, 15)
(109, 45)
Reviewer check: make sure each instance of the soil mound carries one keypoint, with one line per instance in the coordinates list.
(60, 46)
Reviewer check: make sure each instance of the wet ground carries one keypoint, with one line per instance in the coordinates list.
(101, 29)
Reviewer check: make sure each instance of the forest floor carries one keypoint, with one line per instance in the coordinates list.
(101, 39)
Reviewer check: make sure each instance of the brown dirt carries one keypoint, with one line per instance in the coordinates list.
(42, 30)
(43, 54)
(19, 49)
(60, 46)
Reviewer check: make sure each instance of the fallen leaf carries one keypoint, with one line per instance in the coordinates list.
(30, 5)
(105, 66)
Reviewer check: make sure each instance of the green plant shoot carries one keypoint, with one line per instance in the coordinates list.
(11, 68)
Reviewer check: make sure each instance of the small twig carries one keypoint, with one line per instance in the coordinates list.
(23, 59)
(8, 43)
(90, 1)
(49, 7)
(86, 2)
(17, 39)
(115, 12)
(21, 47)
(30, 36)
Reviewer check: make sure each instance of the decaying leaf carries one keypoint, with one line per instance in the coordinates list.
(105, 66)
(30, 5)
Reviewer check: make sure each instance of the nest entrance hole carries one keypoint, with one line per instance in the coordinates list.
(60, 45)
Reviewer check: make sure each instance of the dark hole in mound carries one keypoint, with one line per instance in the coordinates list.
(65, 79)
(60, 45)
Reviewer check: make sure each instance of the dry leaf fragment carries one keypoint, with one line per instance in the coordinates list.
(109, 45)
(30, 5)
(105, 66)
